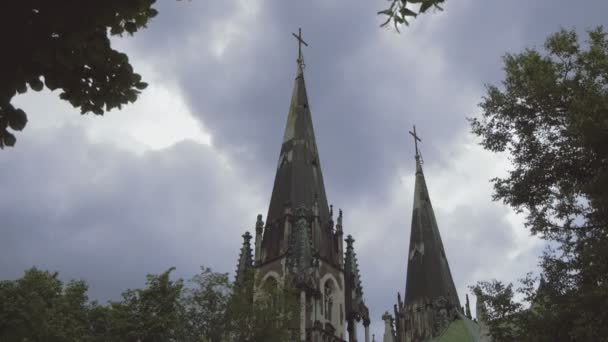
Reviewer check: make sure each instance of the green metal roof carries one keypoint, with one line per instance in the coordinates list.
(461, 330)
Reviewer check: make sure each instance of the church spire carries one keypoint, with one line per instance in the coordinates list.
(298, 181)
(428, 274)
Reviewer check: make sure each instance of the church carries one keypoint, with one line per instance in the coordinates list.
(301, 247)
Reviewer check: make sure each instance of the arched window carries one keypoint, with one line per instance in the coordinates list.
(328, 293)
(270, 288)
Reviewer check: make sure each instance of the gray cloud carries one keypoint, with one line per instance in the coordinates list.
(95, 211)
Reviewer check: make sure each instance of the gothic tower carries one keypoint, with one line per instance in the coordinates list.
(299, 247)
(431, 309)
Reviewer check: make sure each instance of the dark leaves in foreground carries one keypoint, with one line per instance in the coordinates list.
(551, 117)
(208, 308)
(65, 46)
(400, 12)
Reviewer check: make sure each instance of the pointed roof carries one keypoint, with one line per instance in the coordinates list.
(245, 264)
(298, 181)
(428, 272)
(355, 304)
(351, 267)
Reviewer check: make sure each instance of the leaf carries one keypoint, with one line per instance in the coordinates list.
(97, 110)
(426, 5)
(51, 82)
(7, 139)
(16, 119)
(130, 27)
(36, 84)
(406, 12)
(386, 12)
(21, 88)
(141, 85)
(131, 96)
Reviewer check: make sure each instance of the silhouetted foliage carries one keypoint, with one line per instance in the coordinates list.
(269, 314)
(40, 307)
(401, 11)
(65, 45)
(206, 305)
(551, 117)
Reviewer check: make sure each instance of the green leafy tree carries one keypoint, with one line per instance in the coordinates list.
(501, 309)
(39, 307)
(65, 45)
(206, 306)
(271, 313)
(152, 314)
(400, 12)
(551, 117)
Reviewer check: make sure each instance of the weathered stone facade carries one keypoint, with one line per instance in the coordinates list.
(299, 247)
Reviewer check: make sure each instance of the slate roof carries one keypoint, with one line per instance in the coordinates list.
(460, 330)
(428, 272)
(298, 182)
(245, 262)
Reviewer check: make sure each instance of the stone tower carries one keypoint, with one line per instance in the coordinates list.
(431, 309)
(299, 247)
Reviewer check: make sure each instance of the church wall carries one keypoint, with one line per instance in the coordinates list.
(330, 273)
(274, 268)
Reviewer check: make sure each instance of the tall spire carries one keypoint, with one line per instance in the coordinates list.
(298, 182)
(428, 273)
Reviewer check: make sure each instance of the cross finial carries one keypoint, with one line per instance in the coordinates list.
(416, 140)
(300, 42)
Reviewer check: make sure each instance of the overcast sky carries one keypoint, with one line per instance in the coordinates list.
(176, 178)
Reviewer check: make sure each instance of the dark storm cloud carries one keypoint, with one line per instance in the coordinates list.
(94, 211)
(362, 97)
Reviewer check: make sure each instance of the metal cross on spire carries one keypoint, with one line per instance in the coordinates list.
(416, 140)
(300, 42)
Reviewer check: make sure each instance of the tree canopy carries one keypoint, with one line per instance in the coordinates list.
(208, 308)
(65, 45)
(551, 117)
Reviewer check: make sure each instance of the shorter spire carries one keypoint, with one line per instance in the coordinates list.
(429, 279)
(351, 267)
(245, 264)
